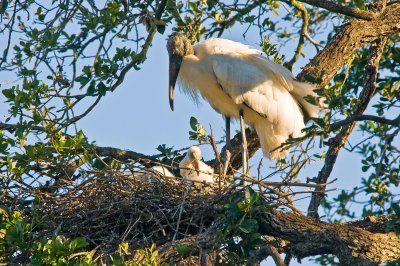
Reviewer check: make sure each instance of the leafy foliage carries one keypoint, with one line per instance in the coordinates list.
(241, 234)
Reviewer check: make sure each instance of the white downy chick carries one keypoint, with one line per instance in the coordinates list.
(193, 169)
(155, 173)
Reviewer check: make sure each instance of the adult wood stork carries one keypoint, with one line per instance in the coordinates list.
(193, 169)
(240, 82)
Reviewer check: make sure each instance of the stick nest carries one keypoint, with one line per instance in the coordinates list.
(115, 207)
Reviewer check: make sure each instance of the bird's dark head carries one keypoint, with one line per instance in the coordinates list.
(178, 46)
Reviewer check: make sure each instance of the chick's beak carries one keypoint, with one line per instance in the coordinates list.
(175, 62)
(196, 167)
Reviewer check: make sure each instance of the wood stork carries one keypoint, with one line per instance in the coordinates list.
(240, 82)
(193, 169)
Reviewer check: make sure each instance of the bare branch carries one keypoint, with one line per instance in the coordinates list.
(263, 253)
(337, 8)
(381, 120)
(337, 142)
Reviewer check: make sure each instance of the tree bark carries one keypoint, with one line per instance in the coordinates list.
(363, 242)
(354, 243)
(351, 37)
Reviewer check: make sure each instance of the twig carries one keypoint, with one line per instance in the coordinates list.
(392, 122)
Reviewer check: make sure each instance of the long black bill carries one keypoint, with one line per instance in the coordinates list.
(175, 62)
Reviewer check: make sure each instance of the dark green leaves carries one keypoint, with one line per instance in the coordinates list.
(198, 133)
(248, 226)
(3, 6)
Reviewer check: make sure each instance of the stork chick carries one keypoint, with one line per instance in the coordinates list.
(193, 169)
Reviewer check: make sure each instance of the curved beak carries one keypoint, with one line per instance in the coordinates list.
(196, 167)
(175, 62)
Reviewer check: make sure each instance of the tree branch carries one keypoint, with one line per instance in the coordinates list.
(351, 37)
(363, 242)
(345, 10)
(263, 253)
(115, 153)
(381, 120)
(351, 244)
(337, 142)
(141, 57)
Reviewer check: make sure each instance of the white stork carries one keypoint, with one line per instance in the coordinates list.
(193, 169)
(240, 82)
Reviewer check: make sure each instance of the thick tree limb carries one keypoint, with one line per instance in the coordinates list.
(362, 242)
(196, 245)
(352, 245)
(345, 10)
(351, 37)
(337, 142)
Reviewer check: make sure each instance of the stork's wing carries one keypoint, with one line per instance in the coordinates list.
(252, 81)
(260, 84)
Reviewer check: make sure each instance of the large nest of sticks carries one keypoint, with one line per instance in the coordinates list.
(115, 207)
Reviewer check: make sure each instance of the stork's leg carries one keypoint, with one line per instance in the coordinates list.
(244, 144)
(227, 155)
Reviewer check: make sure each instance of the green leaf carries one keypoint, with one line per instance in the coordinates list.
(4, 5)
(311, 99)
(249, 226)
(193, 123)
(9, 93)
(360, 4)
(182, 249)
(396, 208)
(102, 88)
(319, 121)
(365, 168)
(91, 88)
(161, 29)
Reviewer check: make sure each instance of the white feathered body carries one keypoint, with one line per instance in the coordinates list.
(205, 174)
(188, 169)
(231, 76)
(154, 173)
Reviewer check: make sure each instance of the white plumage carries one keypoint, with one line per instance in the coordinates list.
(233, 77)
(154, 174)
(193, 169)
